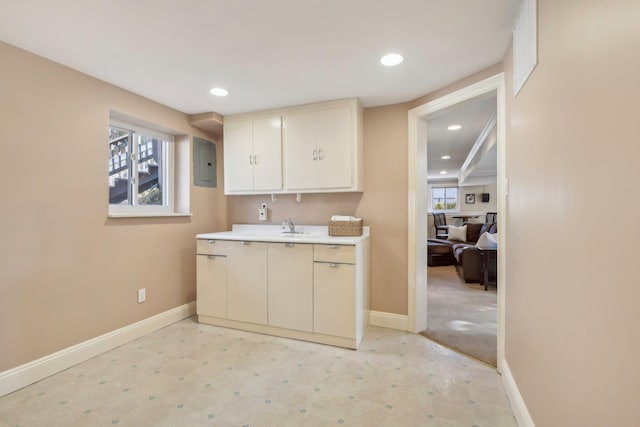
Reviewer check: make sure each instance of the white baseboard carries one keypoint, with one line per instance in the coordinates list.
(388, 320)
(518, 406)
(23, 375)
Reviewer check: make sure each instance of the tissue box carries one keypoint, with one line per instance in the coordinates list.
(345, 228)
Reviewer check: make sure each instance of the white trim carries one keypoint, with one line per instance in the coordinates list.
(351, 343)
(28, 373)
(388, 320)
(466, 168)
(146, 214)
(417, 190)
(523, 417)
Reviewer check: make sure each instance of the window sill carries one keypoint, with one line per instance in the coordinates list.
(147, 215)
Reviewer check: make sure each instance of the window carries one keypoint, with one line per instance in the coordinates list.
(140, 170)
(444, 198)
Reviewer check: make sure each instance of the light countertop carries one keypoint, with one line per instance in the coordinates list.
(274, 233)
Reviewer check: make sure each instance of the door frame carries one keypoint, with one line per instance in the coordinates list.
(417, 200)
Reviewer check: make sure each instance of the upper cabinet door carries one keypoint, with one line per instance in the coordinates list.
(335, 144)
(300, 153)
(267, 151)
(253, 155)
(238, 156)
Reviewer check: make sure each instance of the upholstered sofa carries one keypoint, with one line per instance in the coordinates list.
(466, 254)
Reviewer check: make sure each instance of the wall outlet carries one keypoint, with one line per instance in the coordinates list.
(263, 206)
(142, 295)
(262, 214)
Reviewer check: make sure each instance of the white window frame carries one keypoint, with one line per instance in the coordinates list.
(433, 187)
(168, 178)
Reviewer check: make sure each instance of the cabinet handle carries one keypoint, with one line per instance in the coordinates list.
(246, 243)
(288, 245)
(315, 154)
(211, 256)
(320, 154)
(334, 246)
(211, 241)
(332, 265)
(250, 159)
(255, 159)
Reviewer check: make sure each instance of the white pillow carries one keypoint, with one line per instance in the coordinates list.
(487, 241)
(457, 233)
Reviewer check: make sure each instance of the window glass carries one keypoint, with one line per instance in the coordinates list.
(150, 171)
(444, 198)
(140, 170)
(119, 165)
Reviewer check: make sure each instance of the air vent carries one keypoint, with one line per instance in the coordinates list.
(525, 44)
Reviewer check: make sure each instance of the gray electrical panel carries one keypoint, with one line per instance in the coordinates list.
(204, 163)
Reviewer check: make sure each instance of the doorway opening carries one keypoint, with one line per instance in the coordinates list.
(462, 206)
(419, 199)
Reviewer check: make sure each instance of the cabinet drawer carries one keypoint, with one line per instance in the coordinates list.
(335, 253)
(211, 247)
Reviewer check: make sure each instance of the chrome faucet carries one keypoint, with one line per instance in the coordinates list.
(289, 223)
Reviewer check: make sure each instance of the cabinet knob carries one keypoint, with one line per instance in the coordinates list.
(289, 245)
(332, 265)
(334, 246)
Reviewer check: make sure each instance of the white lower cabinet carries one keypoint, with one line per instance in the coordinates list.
(334, 299)
(291, 286)
(334, 290)
(211, 278)
(211, 285)
(247, 282)
(314, 292)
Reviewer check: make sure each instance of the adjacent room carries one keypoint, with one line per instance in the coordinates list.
(462, 224)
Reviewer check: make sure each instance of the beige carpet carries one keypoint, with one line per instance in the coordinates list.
(462, 316)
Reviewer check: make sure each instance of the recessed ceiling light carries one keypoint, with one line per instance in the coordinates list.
(443, 172)
(445, 157)
(218, 91)
(391, 59)
(454, 127)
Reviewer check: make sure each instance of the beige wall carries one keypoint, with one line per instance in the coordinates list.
(67, 272)
(573, 290)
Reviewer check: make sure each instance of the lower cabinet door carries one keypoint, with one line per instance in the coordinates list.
(211, 285)
(291, 286)
(247, 282)
(334, 299)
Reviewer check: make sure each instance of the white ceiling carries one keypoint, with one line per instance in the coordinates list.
(268, 54)
(473, 115)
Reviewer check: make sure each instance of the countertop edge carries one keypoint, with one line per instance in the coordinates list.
(255, 236)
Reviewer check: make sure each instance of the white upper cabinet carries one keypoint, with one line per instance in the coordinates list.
(318, 148)
(323, 148)
(253, 155)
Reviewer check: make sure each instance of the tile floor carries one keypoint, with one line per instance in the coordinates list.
(189, 374)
